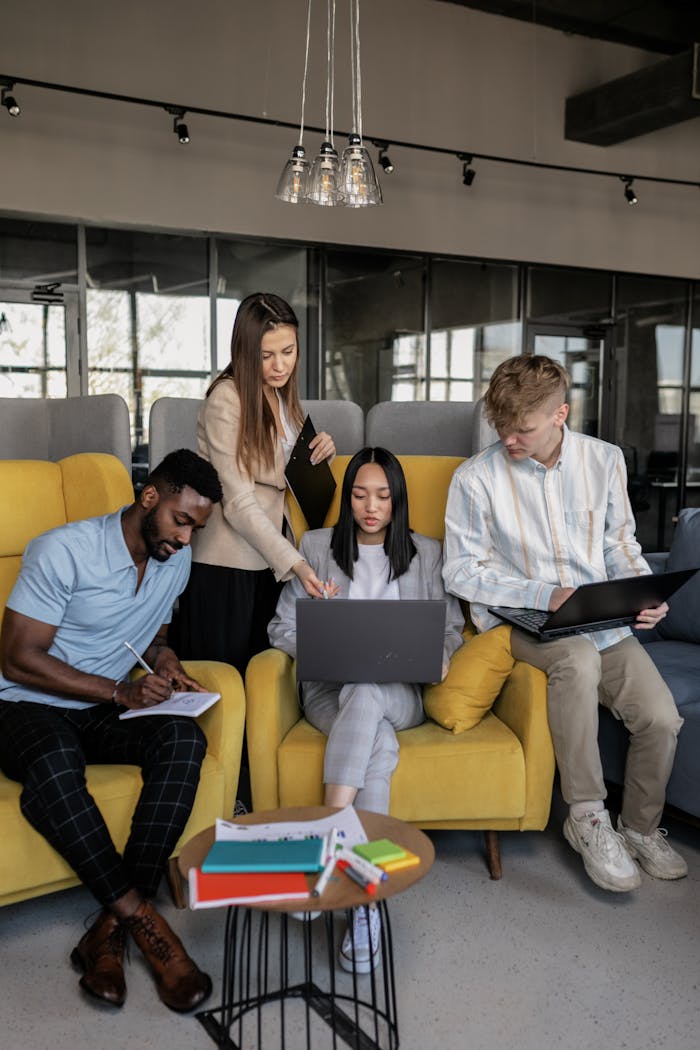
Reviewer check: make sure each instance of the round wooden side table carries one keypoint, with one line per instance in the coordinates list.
(269, 960)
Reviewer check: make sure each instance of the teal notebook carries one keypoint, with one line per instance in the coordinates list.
(284, 855)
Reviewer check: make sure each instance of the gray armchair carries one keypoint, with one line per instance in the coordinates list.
(674, 646)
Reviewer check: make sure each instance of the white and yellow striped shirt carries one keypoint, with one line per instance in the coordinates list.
(514, 530)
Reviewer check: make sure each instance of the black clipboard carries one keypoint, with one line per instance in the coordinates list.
(312, 486)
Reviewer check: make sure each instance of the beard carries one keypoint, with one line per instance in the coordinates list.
(153, 540)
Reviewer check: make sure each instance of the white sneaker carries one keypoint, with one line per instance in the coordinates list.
(653, 852)
(605, 856)
(364, 937)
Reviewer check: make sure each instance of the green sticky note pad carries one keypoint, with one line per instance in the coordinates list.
(380, 851)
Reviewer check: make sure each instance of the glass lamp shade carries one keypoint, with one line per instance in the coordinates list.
(294, 180)
(325, 183)
(359, 181)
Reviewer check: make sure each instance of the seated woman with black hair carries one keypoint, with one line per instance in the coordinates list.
(370, 553)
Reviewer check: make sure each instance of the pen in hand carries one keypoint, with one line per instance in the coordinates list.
(140, 659)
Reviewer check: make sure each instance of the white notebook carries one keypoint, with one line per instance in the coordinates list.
(191, 704)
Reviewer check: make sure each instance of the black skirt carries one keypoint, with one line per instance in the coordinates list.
(224, 613)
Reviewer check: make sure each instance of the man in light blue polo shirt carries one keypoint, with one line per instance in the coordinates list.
(85, 589)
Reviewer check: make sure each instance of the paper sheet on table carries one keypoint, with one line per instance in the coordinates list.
(346, 821)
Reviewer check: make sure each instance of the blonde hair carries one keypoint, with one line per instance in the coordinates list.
(522, 385)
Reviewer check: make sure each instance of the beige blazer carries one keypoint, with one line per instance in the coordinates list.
(245, 530)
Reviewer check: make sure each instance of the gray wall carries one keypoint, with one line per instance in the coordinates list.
(432, 72)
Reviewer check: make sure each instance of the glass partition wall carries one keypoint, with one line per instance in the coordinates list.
(474, 325)
(374, 327)
(692, 411)
(650, 349)
(38, 309)
(87, 310)
(147, 319)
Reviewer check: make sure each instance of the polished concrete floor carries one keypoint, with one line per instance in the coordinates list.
(540, 959)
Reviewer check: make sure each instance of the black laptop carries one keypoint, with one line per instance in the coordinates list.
(597, 606)
(370, 640)
(312, 485)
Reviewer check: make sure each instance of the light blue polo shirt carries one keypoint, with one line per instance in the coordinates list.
(81, 579)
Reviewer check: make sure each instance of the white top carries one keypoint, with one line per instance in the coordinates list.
(371, 574)
(290, 435)
(515, 530)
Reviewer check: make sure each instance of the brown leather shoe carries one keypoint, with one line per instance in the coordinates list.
(100, 955)
(181, 984)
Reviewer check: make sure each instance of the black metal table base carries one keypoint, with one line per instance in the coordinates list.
(363, 1016)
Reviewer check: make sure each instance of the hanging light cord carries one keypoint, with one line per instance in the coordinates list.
(357, 77)
(353, 69)
(330, 80)
(306, 69)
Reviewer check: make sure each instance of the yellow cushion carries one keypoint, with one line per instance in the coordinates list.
(427, 482)
(32, 502)
(94, 483)
(29, 865)
(477, 673)
(479, 774)
(476, 775)
(44, 495)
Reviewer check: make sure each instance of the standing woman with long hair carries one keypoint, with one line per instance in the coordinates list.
(370, 553)
(248, 424)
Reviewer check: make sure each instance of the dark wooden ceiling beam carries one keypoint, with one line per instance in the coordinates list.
(664, 26)
(655, 97)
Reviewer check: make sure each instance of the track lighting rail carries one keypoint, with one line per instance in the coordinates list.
(11, 82)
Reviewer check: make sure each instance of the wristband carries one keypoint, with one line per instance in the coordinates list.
(114, 693)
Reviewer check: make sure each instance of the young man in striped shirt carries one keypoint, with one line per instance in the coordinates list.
(528, 520)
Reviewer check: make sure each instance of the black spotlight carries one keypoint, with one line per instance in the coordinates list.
(181, 130)
(468, 173)
(9, 101)
(385, 161)
(630, 195)
(179, 126)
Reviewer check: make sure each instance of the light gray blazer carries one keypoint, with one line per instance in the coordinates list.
(422, 580)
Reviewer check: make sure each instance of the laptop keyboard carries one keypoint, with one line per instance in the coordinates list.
(533, 619)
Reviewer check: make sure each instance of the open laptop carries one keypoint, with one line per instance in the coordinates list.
(370, 640)
(597, 606)
(312, 485)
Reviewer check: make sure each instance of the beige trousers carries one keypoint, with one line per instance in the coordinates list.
(625, 680)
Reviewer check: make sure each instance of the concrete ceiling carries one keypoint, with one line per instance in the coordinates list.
(656, 96)
(666, 26)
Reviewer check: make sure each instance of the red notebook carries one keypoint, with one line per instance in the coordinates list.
(217, 889)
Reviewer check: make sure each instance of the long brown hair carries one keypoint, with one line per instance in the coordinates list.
(257, 437)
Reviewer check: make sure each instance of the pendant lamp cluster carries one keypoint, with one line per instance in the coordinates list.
(332, 181)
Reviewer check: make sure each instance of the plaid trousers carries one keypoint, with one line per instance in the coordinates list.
(46, 749)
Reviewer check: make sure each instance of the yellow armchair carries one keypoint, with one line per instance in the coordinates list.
(494, 777)
(39, 495)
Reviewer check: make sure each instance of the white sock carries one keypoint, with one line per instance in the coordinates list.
(578, 810)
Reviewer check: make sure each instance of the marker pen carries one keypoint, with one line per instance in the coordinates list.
(368, 887)
(362, 866)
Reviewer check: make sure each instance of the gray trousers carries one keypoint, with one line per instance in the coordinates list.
(360, 722)
(625, 680)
